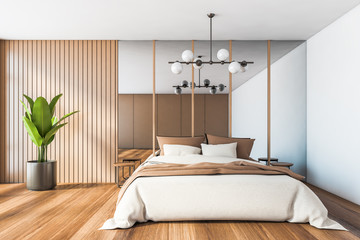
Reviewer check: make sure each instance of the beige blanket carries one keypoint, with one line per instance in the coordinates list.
(207, 168)
(210, 195)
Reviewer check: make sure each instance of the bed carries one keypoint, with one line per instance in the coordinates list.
(248, 197)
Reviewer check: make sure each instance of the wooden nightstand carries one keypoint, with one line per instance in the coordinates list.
(134, 160)
(122, 165)
(265, 159)
(282, 164)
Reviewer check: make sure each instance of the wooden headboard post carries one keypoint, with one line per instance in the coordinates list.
(153, 104)
(268, 101)
(230, 91)
(192, 96)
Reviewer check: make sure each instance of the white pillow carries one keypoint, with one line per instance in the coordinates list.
(180, 150)
(219, 150)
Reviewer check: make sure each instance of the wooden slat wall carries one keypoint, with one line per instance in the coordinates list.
(86, 73)
(3, 103)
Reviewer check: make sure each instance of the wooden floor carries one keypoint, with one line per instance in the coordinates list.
(76, 211)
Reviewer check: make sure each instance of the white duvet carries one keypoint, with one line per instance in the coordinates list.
(218, 197)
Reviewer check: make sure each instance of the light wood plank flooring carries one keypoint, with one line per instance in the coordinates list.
(76, 211)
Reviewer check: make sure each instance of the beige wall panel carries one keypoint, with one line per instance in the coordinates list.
(216, 114)
(143, 121)
(173, 117)
(186, 114)
(168, 115)
(199, 114)
(86, 73)
(126, 120)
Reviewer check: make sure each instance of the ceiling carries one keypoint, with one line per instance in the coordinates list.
(168, 20)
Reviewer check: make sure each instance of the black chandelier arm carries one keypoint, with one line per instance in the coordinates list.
(221, 62)
(197, 86)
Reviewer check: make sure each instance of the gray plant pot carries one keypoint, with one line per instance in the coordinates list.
(41, 175)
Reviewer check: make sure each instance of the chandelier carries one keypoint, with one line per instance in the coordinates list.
(206, 84)
(223, 54)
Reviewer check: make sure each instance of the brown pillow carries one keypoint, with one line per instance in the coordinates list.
(189, 141)
(244, 145)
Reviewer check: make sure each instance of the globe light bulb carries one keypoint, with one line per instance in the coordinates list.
(176, 68)
(221, 87)
(244, 66)
(213, 90)
(184, 83)
(222, 54)
(199, 61)
(191, 86)
(187, 56)
(177, 90)
(206, 82)
(234, 67)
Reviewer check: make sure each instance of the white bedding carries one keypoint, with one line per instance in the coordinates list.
(218, 197)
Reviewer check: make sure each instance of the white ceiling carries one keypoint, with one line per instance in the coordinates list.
(168, 20)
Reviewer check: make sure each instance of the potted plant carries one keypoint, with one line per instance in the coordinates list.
(42, 125)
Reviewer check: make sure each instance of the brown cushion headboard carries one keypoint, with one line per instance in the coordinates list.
(244, 145)
(189, 141)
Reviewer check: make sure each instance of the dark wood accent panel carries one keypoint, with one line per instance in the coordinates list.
(200, 114)
(126, 120)
(142, 120)
(173, 117)
(86, 73)
(168, 115)
(199, 119)
(216, 114)
(186, 119)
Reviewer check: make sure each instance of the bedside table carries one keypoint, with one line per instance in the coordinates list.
(122, 165)
(265, 159)
(282, 164)
(134, 160)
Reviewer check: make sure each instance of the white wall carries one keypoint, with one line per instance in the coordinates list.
(288, 119)
(135, 67)
(333, 110)
(135, 63)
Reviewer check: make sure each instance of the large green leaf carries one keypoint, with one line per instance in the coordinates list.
(51, 139)
(66, 116)
(54, 120)
(33, 132)
(53, 103)
(28, 115)
(52, 133)
(41, 116)
(31, 102)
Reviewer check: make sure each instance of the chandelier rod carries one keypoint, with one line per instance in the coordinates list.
(199, 77)
(211, 15)
(187, 56)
